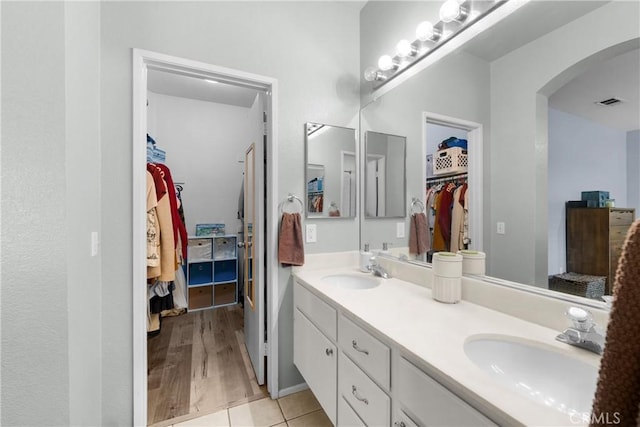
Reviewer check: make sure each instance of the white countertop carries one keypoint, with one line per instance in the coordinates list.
(435, 333)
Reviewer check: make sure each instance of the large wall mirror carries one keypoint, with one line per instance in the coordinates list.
(384, 177)
(330, 171)
(525, 94)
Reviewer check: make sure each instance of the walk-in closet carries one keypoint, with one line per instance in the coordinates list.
(199, 243)
(446, 202)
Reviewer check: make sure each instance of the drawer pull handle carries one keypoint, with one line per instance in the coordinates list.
(400, 424)
(361, 350)
(354, 390)
(329, 351)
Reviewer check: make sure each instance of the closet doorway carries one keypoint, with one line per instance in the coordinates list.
(436, 128)
(209, 352)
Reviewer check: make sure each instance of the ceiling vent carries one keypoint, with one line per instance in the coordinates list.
(609, 102)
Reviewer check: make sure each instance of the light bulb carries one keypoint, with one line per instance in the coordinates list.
(424, 31)
(386, 63)
(449, 11)
(404, 49)
(370, 74)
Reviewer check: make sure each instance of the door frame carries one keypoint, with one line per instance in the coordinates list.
(142, 61)
(475, 174)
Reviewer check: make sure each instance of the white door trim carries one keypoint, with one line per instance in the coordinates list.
(143, 60)
(476, 171)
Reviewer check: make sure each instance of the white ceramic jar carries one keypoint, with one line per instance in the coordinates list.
(447, 277)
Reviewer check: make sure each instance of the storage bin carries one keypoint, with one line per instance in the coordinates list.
(595, 199)
(224, 294)
(450, 161)
(200, 297)
(225, 247)
(225, 271)
(200, 273)
(199, 249)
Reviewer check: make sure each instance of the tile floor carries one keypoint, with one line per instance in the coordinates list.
(296, 410)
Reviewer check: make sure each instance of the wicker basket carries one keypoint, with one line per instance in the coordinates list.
(578, 284)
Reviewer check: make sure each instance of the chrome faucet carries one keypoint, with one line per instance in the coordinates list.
(583, 333)
(377, 269)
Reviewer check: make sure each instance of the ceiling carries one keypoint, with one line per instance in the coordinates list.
(619, 77)
(167, 83)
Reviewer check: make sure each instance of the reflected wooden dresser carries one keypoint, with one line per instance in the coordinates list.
(594, 240)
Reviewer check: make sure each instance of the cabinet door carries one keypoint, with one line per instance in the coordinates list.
(316, 359)
(430, 402)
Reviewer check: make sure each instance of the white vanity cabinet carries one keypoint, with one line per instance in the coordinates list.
(429, 403)
(359, 375)
(314, 353)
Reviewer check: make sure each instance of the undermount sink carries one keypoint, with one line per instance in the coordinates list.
(542, 374)
(351, 281)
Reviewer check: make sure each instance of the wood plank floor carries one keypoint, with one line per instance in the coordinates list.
(198, 364)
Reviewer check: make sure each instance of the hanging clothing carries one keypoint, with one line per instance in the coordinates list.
(443, 215)
(438, 238)
(179, 230)
(457, 221)
(153, 228)
(167, 269)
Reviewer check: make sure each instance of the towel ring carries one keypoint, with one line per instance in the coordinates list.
(417, 203)
(290, 199)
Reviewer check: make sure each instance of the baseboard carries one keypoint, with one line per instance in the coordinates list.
(293, 389)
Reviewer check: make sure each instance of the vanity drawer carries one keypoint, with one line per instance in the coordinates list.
(621, 217)
(368, 400)
(430, 402)
(319, 312)
(347, 416)
(402, 420)
(369, 354)
(618, 232)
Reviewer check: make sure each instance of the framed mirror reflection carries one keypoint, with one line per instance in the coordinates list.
(330, 171)
(384, 180)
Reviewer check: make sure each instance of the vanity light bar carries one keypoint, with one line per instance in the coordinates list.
(455, 17)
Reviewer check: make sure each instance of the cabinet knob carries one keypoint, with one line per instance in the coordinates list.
(400, 424)
(354, 390)
(329, 351)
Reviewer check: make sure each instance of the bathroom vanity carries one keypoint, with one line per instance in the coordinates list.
(382, 352)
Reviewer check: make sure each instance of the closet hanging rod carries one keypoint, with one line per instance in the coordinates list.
(437, 179)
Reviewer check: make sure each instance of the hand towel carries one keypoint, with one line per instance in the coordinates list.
(618, 392)
(418, 234)
(290, 244)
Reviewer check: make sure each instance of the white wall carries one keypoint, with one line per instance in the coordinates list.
(633, 170)
(520, 82)
(583, 156)
(310, 47)
(51, 341)
(204, 142)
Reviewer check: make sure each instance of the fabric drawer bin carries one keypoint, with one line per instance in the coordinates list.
(199, 249)
(225, 271)
(200, 273)
(621, 216)
(224, 294)
(200, 297)
(225, 247)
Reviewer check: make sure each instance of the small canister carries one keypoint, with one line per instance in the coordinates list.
(447, 264)
(473, 262)
(447, 277)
